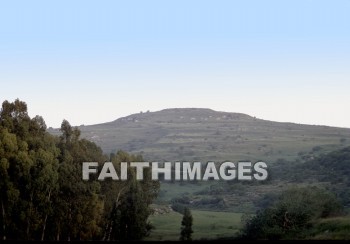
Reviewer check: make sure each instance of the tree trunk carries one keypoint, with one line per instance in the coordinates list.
(58, 232)
(110, 231)
(3, 220)
(106, 232)
(28, 227)
(69, 221)
(44, 225)
(117, 202)
(30, 215)
(109, 227)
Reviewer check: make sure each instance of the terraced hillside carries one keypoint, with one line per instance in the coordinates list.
(194, 134)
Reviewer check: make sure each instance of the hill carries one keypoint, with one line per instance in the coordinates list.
(195, 134)
(299, 155)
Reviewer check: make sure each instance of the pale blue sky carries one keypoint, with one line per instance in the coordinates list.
(94, 61)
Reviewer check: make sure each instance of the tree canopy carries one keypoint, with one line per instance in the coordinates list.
(43, 196)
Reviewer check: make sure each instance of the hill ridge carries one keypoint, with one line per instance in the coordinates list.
(202, 134)
(177, 111)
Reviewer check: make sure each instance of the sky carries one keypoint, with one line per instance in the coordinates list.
(94, 61)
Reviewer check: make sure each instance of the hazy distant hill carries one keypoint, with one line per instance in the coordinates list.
(202, 134)
(194, 134)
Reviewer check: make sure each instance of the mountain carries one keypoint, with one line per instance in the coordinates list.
(196, 134)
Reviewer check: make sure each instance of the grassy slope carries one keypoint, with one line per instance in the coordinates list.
(207, 135)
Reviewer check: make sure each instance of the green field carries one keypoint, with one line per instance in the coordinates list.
(206, 225)
(213, 225)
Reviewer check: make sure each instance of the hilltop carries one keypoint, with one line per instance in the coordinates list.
(197, 134)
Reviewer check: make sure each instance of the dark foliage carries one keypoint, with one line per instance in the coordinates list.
(43, 196)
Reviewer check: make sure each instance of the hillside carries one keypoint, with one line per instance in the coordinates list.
(300, 155)
(194, 134)
(332, 168)
(330, 171)
(327, 171)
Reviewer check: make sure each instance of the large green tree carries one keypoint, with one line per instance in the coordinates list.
(29, 172)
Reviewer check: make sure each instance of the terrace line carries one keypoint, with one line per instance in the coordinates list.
(180, 171)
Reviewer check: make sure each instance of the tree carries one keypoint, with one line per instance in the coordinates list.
(80, 202)
(186, 226)
(28, 171)
(127, 203)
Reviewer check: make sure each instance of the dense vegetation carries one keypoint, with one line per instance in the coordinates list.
(310, 210)
(43, 196)
(293, 215)
(332, 169)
